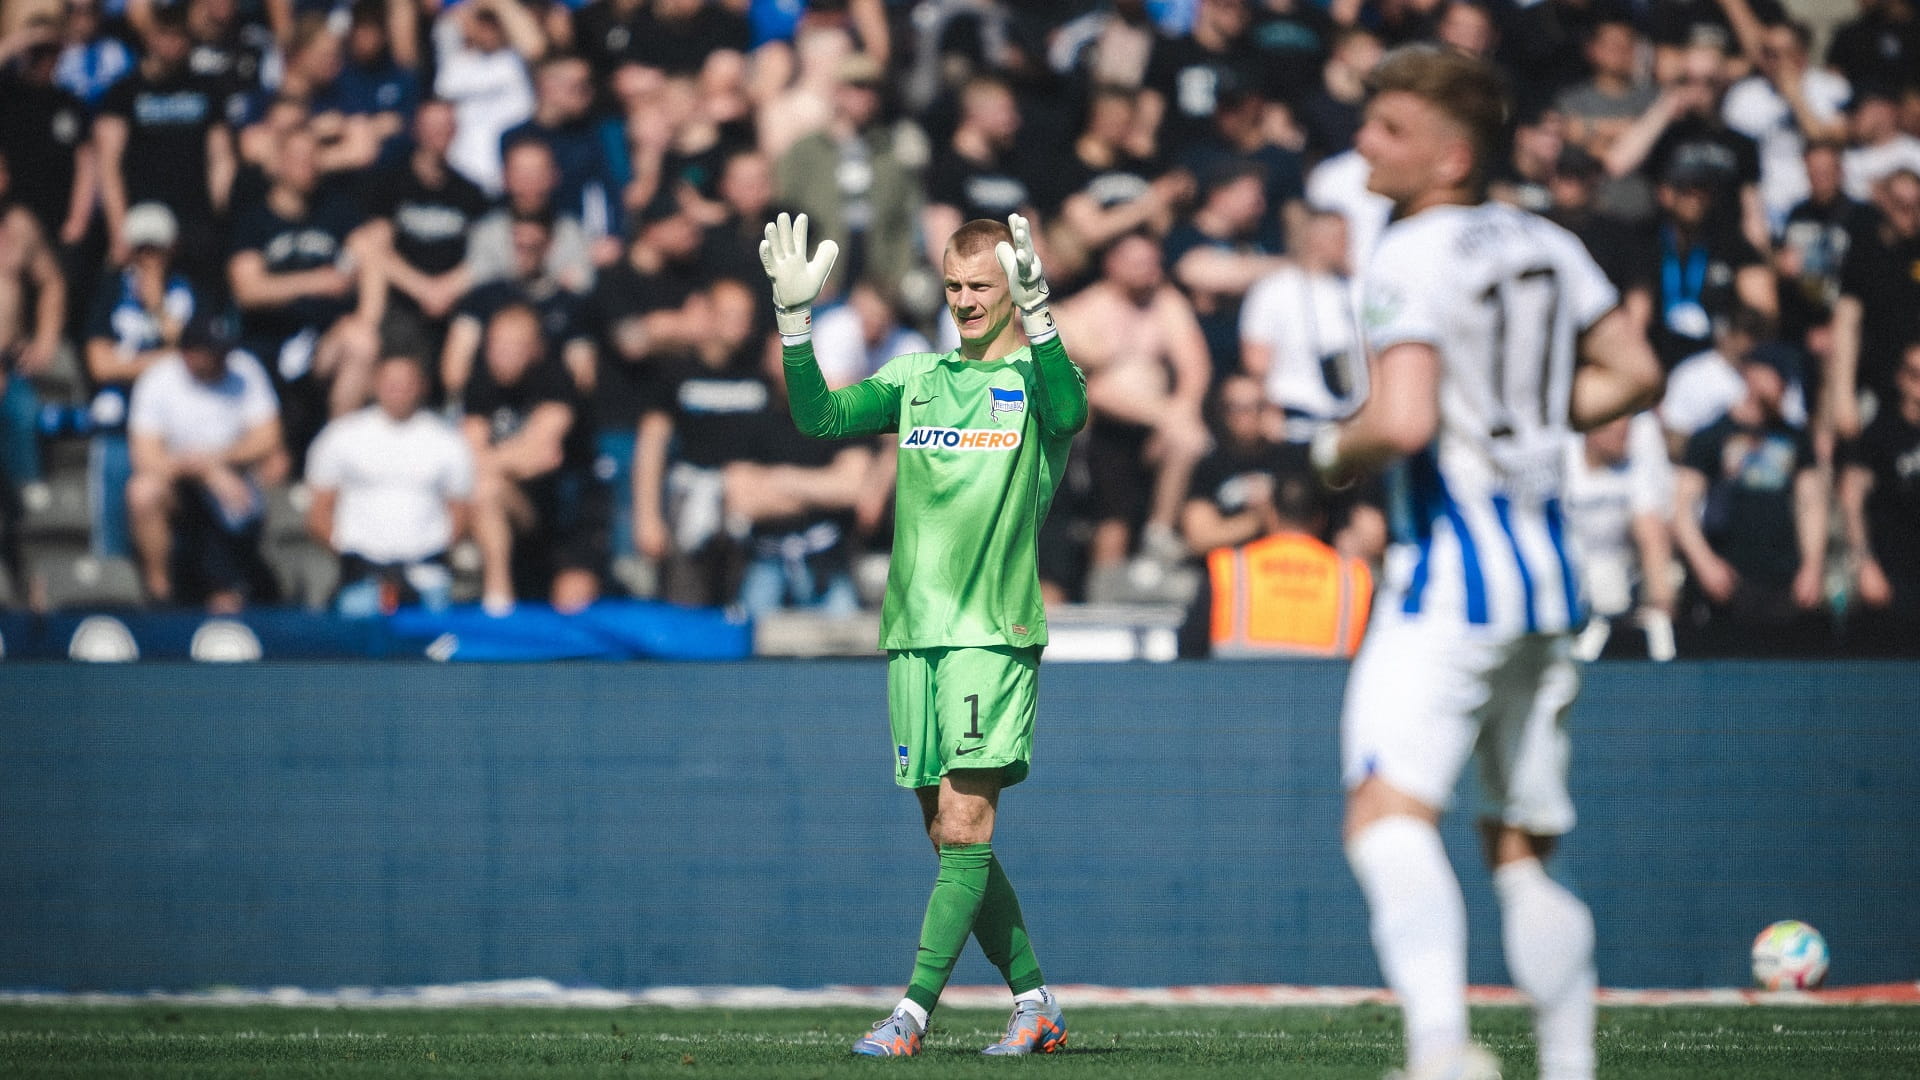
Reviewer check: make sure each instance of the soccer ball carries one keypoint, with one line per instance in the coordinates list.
(1789, 955)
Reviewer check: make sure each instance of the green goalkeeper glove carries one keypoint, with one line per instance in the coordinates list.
(1026, 282)
(797, 280)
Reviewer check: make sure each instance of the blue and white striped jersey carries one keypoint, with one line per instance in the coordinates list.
(1480, 537)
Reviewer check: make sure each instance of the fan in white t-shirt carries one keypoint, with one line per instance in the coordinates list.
(390, 487)
(203, 430)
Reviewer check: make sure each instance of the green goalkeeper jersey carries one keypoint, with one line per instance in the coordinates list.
(983, 445)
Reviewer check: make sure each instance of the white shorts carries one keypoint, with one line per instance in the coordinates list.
(1425, 695)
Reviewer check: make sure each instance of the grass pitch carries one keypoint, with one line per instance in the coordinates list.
(221, 1042)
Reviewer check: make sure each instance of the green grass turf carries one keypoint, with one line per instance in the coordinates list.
(215, 1043)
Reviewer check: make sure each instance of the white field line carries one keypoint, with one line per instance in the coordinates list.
(545, 992)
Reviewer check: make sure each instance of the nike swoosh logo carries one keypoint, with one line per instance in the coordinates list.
(922, 401)
(968, 750)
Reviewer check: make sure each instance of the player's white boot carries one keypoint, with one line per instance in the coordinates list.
(1470, 1062)
(896, 1036)
(1036, 1027)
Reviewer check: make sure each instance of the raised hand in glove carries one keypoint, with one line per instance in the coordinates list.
(1026, 281)
(797, 280)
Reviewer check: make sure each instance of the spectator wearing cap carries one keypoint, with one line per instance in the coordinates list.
(1877, 147)
(1750, 517)
(390, 487)
(1704, 387)
(162, 136)
(135, 322)
(1215, 256)
(1878, 313)
(530, 178)
(204, 428)
(1786, 103)
(1683, 132)
(855, 179)
(483, 48)
(1698, 264)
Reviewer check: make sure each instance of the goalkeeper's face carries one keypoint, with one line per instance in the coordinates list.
(977, 295)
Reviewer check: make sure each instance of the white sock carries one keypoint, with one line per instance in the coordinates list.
(1036, 994)
(1548, 934)
(1419, 930)
(912, 1008)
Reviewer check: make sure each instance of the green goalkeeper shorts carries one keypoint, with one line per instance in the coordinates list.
(966, 708)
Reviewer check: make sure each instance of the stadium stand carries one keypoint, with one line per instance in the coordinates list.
(668, 131)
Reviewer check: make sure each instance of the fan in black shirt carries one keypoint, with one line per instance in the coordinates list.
(163, 137)
(698, 410)
(423, 209)
(1880, 503)
(538, 517)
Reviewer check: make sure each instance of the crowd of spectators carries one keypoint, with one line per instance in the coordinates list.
(485, 270)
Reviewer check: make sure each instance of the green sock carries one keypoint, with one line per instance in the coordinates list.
(1002, 933)
(950, 914)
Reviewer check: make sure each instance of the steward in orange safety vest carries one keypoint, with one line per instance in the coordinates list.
(1287, 594)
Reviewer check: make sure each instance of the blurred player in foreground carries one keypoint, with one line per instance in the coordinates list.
(1492, 333)
(984, 432)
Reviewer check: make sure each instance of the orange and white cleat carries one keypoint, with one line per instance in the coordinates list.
(1037, 1027)
(896, 1036)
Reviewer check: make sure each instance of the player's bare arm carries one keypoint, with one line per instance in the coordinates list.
(1618, 375)
(1400, 416)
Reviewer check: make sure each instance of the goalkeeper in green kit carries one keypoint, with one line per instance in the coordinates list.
(984, 432)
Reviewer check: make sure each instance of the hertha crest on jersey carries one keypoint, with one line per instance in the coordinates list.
(1007, 401)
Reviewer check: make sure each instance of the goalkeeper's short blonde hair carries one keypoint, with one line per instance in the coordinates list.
(980, 234)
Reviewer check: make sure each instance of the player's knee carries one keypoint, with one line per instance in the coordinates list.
(148, 493)
(959, 827)
(1374, 799)
(1503, 843)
